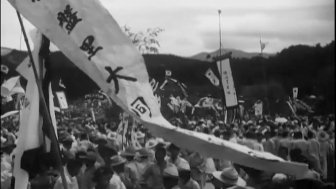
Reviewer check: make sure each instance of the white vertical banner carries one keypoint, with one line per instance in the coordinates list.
(295, 92)
(227, 82)
(62, 100)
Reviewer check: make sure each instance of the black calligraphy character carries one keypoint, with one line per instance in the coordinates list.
(113, 76)
(34, 1)
(87, 46)
(69, 18)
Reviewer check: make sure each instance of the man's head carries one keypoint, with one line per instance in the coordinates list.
(160, 154)
(173, 150)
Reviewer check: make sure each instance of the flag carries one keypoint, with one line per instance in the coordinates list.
(212, 77)
(12, 86)
(258, 108)
(228, 83)
(62, 100)
(30, 132)
(295, 92)
(107, 56)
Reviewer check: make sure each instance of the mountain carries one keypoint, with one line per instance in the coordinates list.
(207, 56)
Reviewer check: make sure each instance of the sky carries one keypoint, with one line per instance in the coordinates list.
(192, 26)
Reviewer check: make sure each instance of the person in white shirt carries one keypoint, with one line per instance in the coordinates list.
(71, 170)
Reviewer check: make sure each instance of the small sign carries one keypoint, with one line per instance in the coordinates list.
(62, 100)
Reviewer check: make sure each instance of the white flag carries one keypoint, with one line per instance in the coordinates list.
(30, 132)
(212, 77)
(12, 86)
(106, 54)
(227, 82)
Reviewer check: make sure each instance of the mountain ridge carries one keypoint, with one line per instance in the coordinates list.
(236, 53)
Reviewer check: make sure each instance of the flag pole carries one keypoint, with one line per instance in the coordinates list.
(45, 111)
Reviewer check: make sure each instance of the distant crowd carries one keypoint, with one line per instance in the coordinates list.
(97, 156)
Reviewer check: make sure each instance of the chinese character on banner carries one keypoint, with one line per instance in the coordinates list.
(140, 108)
(87, 46)
(68, 17)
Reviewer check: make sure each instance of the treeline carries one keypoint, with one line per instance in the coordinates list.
(310, 68)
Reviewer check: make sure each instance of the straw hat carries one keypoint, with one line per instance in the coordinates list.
(279, 178)
(117, 160)
(129, 151)
(143, 152)
(183, 165)
(140, 135)
(170, 171)
(322, 136)
(229, 175)
(150, 144)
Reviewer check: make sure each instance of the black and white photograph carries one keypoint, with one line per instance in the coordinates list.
(167, 94)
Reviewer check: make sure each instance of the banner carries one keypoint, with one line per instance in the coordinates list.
(62, 100)
(108, 57)
(212, 77)
(258, 108)
(295, 92)
(11, 86)
(30, 130)
(227, 82)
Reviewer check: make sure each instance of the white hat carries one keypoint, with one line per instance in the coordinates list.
(183, 165)
(229, 175)
(170, 171)
(151, 143)
(279, 178)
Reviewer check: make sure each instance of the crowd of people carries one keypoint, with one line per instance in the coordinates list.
(95, 155)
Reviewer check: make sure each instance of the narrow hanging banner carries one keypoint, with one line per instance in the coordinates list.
(227, 82)
(108, 57)
(295, 92)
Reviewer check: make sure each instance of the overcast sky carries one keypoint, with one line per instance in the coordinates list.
(191, 26)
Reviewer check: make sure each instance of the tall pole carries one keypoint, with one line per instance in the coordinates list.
(43, 105)
(220, 65)
(220, 33)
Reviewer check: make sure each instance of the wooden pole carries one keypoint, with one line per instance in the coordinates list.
(45, 111)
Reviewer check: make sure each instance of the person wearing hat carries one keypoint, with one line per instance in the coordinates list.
(174, 156)
(102, 177)
(71, 170)
(185, 179)
(152, 178)
(226, 178)
(90, 166)
(170, 177)
(150, 145)
(119, 180)
(105, 152)
(323, 137)
(131, 168)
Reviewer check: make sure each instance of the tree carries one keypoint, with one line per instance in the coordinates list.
(146, 42)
